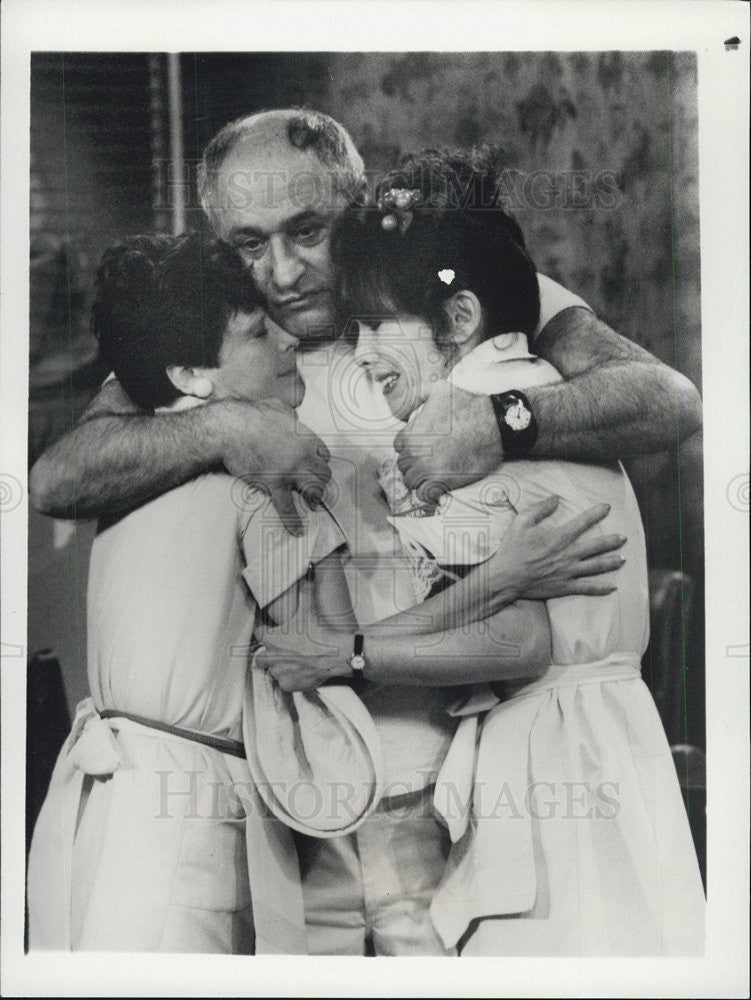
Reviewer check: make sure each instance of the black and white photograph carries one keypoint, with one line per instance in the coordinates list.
(375, 499)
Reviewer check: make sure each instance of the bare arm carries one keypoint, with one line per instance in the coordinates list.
(117, 456)
(617, 401)
(533, 561)
(512, 643)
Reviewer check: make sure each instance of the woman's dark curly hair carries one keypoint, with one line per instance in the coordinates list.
(459, 225)
(166, 300)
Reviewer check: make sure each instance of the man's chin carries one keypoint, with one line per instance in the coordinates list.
(312, 325)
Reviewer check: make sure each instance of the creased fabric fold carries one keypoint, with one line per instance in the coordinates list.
(315, 756)
(575, 810)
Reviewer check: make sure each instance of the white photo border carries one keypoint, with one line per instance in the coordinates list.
(453, 25)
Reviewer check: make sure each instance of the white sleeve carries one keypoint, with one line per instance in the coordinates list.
(274, 558)
(554, 298)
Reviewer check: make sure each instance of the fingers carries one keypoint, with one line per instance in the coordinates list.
(540, 510)
(430, 490)
(422, 480)
(312, 477)
(314, 446)
(585, 548)
(587, 588)
(261, 661)
(281, 497)
(317, 466)
(284, 675)
(599, 564)
(579, 524)
(413, 476)
(412, 469)
(312, 486)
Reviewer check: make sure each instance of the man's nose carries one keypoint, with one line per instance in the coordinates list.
(286, 266)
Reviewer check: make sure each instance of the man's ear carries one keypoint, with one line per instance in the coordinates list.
(190, 381)
(465, 316)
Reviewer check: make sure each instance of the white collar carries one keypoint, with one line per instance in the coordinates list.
(181, 403)
(504, 347)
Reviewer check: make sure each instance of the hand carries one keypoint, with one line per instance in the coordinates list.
(301, 654)
(554, 561)
(304, 674)
(455, 431)
(265, 444)
(300, 659)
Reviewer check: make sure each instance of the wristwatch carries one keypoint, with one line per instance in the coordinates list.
(516, 422)
(357, 660)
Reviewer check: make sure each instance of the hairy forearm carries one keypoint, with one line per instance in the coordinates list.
(513, 643)
(618, 401)
(110, 464)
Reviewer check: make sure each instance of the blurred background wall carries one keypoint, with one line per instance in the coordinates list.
(600, 168)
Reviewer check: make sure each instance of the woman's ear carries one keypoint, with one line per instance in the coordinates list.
(465, 316)
(190, 381)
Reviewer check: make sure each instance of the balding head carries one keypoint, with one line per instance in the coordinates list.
(269, 133)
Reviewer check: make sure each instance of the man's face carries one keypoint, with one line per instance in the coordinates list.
(276, 206)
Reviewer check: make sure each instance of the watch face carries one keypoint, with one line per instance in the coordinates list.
(357, 662)
(518, 417)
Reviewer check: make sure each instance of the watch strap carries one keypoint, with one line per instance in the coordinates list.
(516, 443)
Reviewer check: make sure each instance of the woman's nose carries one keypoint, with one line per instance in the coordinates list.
(287, 342)
(284, 341)
(365, 349)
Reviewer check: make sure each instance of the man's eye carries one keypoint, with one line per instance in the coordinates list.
(251, 247)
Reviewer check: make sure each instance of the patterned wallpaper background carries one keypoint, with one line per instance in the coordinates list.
(601, 165)
(600, 155)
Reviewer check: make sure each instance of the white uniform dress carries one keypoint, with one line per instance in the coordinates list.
(570, 835)
(372, 889)
(149, 841)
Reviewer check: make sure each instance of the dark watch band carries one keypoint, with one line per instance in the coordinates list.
(357, 660)
(516, 422)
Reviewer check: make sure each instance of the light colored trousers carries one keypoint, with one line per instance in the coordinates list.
(369, 892)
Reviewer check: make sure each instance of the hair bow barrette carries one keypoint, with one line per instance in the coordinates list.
(399, 203)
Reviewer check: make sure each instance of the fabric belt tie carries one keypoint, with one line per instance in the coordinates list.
(456, 797)
(233, 747)
(90, 749)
